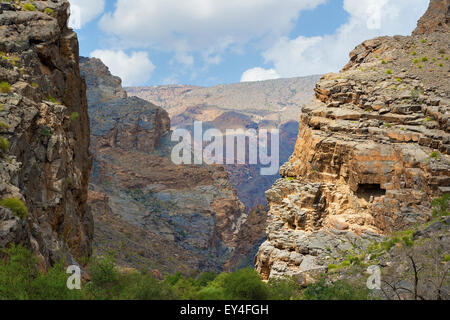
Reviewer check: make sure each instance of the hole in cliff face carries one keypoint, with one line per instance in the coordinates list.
(370, 190)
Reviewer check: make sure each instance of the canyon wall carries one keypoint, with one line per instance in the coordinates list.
(44, 128)
(154, 214)
(372, 152)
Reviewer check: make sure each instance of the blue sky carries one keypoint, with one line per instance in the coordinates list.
(209, 42)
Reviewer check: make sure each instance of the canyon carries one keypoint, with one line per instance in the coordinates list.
(86, 169)
(155, 214)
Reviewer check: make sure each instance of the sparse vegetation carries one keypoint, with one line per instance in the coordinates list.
(29, 7)
(440, 206)
(16, 206)
(46, 132)
(49, 11)
(389, 71)
(3, 126)
(5, 87)
(434, 155)
(4, 144)
(339, 290)
(52, 99)
(74, 116)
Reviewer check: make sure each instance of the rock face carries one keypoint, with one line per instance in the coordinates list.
(44, 118)
(436, 19)
(372, 152)
(155, 214)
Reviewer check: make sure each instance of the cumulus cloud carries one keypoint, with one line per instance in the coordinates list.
(259, 74)
(133, 69)
(83, 11)
(303, 56)
(210, 26)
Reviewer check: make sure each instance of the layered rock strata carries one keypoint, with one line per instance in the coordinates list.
(372, 152)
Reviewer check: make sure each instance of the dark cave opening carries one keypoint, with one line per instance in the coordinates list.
(367, 190)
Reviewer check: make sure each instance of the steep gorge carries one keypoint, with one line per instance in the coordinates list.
(154, 214)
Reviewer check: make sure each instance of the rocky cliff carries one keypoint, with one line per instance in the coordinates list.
(45, 161)
(154, 214)
(372, 152)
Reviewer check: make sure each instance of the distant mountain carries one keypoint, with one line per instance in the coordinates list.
(253, 105)
(273, 100)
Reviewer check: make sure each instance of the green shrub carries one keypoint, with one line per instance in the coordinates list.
(340, 290)
(3, 125)
(49, 11)
(440, 206)
(46, 132)
(16, 206)
(21, 280)
(52, 99)
(74, 116)
(211, 293)
(137, 286)
(414, 53)
(434, 155)
(104, 276)
(284, 289)
(17, 273)
(29, 7)
(389, 71)
(5, 87)
(4, 144)
(424, 41)
(416, 60)
(244, 284)
(424, 59)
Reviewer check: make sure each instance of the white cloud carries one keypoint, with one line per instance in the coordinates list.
(134, 69)
(368, 19)
(207, 26)
(259, 74)
(83, 11)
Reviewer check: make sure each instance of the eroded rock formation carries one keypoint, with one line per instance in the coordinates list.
(153, 213)
(43, 117)
(372, 152)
